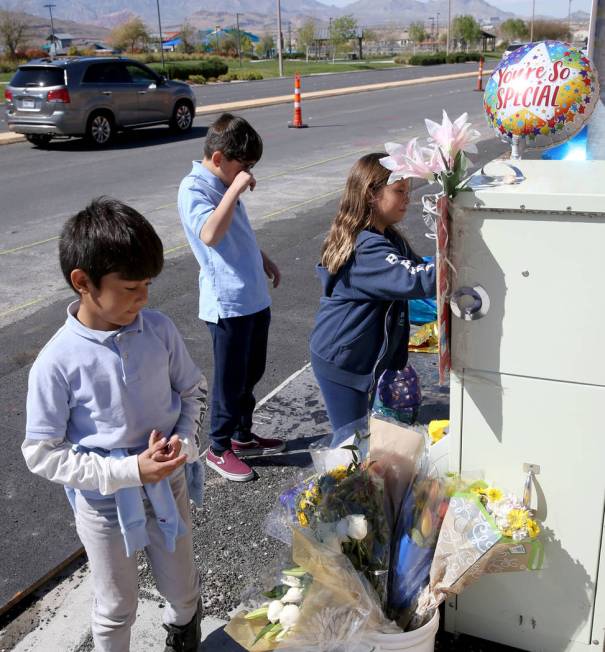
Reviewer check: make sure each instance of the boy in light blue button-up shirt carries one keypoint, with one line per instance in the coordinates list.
(113, 407)
(234, 299)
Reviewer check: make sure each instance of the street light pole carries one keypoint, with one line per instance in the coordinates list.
(533, 14)
(280, 60)
(52, 27)
(239, 40)
(161, 40)
(449, 25)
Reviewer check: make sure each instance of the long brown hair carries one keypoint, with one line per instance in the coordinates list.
(354, 215)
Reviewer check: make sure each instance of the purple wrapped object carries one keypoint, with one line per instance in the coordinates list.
(400, 389)
(398, 395)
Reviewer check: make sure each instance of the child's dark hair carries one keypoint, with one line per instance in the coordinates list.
(235, 138)
(109, 236)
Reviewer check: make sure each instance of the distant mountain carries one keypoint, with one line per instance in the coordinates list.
(383, 12)
(258, 12)
(38, 29)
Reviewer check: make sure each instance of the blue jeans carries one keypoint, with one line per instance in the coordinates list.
(240, 353)
(344, 404)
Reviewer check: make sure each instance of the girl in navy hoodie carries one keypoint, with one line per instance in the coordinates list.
(368, 272)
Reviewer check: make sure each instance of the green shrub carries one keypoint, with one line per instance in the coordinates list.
(462, 57)
(252, 76)
(229, 77)
(197, 79)
(212, 67)
(427, 59)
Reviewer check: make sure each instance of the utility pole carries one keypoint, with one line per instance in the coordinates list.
(280, 59)
(290, 37)
(533, 15)
(330, 37)
(449, 26)
(569, 22)
(161, 40)
(53, 42)
(218, 43)
(432, 19)
(239, 40)
(437, 29)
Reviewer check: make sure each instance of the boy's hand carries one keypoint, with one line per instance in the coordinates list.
(242, 181)
(271, 269)
(170, 451)
(152, 469)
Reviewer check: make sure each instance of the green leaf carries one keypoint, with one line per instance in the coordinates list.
(261, 612)
(277, 592)
(297, 571)
(265, 630)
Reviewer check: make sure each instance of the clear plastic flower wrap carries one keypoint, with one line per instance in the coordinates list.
(322, 603)
(415, 537)
(485, 530)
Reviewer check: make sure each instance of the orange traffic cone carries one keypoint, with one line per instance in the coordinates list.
(297, 120)
(480, 76)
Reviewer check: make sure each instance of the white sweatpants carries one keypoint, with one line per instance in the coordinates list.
(115, 575)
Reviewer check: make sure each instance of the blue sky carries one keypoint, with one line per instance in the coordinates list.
(558, 8)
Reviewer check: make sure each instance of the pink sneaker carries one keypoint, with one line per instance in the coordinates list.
(257, 446)
(229, 466)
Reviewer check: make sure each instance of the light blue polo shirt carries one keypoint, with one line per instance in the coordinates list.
(110, 389)
(232, 280)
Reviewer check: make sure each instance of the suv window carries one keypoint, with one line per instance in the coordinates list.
(110, 72)
(38, 76)
(139, 74)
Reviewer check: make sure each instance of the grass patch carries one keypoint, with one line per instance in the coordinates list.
(269, 68)
(6, 76)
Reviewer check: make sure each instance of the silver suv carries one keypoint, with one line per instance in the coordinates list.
(93, 97)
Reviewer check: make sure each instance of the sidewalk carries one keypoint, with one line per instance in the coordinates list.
(59, 622)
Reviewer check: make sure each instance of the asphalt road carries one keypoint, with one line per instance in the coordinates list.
(245, 90)
(300, 178)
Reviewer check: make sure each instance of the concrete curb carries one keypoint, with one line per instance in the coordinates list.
(10, 138)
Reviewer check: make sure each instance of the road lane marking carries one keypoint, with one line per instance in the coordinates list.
(185, 244)
(27, 246)
(173, 204)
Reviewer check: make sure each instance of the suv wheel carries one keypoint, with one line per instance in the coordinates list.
(39, 140)
(182, 117)
(100, 129)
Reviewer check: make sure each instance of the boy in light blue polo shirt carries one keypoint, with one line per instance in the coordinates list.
(113, 407)
(234, 299)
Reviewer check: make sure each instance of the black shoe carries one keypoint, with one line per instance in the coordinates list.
(184, 638)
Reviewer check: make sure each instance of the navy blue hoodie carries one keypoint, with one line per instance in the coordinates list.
(362, 325)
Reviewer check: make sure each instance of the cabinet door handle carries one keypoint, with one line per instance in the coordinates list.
(470, 303)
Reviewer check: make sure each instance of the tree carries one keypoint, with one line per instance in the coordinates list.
(343, 30)
(514, 29)
(466, 29)
(188, 38)
(13, 31)
(550, 29)
(129, 35)
(417, 33)
(305, 35)
(266, 46)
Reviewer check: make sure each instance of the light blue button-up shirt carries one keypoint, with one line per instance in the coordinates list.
(232, 280)
(110, 389)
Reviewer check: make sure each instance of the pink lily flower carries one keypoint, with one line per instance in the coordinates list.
(410, 160)
(452, 138)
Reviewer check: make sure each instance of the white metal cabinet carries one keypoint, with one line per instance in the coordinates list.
(529, 386)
